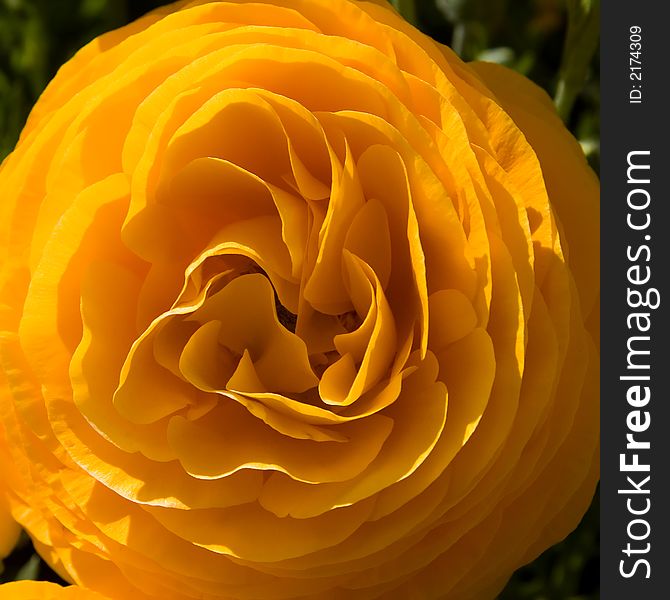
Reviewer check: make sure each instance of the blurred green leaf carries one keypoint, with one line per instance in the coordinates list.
(580, 45)
(407, 9)
(474, 22)
(30, 570)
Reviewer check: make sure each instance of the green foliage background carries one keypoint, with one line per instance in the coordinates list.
(553, 42)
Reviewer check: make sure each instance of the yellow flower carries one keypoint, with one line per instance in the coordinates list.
(293, 306)
(43, 590)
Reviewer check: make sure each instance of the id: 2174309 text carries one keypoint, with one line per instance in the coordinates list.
(635, 64)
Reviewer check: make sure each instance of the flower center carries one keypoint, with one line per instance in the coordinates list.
(285, 316)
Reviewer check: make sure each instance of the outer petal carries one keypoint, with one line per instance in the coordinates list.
(9, 528)
(44, 590)
(559, 154)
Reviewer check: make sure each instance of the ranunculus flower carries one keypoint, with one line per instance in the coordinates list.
(44, 590)
(293, 306)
